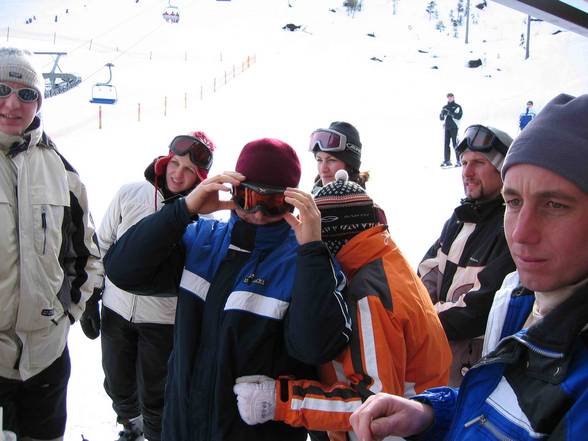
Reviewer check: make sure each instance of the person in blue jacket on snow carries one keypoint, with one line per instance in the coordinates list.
(527, 116)
(257, 294)
(532, 382)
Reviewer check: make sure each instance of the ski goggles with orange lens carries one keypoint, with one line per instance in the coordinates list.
(199, 152)
(253, 197)
(481, 139)
(25, 94)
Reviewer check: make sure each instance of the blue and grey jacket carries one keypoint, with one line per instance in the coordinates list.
(251, 301)
(533, 385)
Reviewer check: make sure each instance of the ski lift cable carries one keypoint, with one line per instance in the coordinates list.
(115, 27)
(125, 51)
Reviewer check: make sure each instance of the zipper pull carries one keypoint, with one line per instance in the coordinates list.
(479, 419)
(44, 226)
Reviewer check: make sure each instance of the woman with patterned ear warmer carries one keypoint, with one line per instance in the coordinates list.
(339, 148)
(137, 331)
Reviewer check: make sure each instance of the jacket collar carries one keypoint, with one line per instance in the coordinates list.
(363, 248)
(250, 236)
(475, 211)
(31, 136)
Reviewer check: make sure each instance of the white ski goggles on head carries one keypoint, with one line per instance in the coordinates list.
(328, 140)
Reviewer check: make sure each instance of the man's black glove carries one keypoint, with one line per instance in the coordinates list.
(90, 320)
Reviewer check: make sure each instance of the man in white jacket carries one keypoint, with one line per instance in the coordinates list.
(48, 257)
(137, 331)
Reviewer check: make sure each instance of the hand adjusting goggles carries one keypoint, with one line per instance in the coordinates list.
(253, 197)
(199, 151)
(25, 94)
(328, 140)
(481, 139)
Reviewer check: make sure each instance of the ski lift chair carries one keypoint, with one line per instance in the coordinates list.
(171, 14)
(104, 94)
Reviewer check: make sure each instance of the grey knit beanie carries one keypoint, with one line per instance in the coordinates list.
(17, 65)
(557, 140)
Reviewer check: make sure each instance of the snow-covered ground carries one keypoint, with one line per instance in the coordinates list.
(294, 82)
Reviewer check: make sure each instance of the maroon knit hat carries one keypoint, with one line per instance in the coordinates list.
(269, 162)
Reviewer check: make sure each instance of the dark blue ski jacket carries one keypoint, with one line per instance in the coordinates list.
(251, 301)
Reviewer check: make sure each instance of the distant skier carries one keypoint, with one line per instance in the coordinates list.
(526, 117)
(450, 114)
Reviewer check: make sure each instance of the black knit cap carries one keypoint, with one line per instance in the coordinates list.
(350, 156)
(346, 210)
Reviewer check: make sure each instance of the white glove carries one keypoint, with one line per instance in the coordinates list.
(256, 398)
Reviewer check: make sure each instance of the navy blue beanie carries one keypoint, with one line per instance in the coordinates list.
(557, 140)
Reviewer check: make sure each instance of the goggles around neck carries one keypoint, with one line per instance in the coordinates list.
(200, 153)
(481, 139)
(24, 94)
(252, 197)
(328, 140)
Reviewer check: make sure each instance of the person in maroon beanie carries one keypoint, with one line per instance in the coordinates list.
(258, 294)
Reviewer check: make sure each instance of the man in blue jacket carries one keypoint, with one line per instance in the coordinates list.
(532, 382)
(527, 116)
(256, 294)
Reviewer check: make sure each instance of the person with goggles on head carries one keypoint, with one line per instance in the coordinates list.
(48, 256)
(466, 265)
(137, 332)
(531, 383)
(258, 294)
(337, 148)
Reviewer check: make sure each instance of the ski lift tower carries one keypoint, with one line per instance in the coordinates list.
(58, 82)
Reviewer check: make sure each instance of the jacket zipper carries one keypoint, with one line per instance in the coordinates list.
(482, 420)
(44, 226)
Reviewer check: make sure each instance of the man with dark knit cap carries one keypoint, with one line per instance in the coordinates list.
(258, 294)
(531, 383)
(398, 345)
(467, 263)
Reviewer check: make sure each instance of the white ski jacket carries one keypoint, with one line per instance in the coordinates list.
(48, 254)
(132, 203)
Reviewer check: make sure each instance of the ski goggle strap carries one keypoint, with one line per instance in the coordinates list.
(481, 139)
(199, 152)
(25, 94)
(252, 197)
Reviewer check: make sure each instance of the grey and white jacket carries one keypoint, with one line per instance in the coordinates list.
(48, 252)
(132, 203)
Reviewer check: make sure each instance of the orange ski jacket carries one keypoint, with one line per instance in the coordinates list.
(397, 346)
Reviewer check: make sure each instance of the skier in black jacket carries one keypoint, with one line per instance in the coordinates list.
(450, 114)
(258, 294)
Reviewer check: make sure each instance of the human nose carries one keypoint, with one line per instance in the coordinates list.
(468, 169)
(526, 226)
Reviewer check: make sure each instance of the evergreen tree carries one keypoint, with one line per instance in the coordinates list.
(432, 9)
(460, 12)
